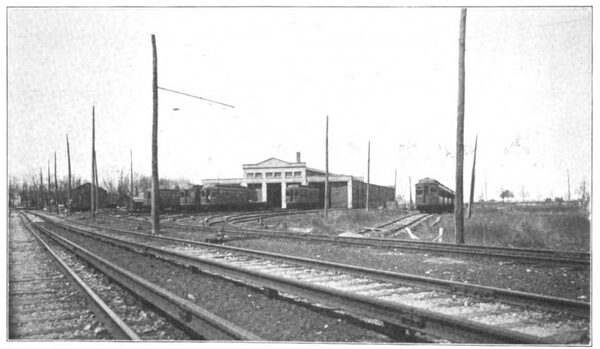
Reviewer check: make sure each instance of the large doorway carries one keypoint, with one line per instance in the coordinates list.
(274, 195)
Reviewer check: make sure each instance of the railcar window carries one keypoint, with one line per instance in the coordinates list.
(419, 192)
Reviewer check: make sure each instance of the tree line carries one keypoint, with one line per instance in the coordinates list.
(34, 190)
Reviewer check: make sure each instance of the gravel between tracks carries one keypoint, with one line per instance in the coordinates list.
(271, 319)
(552, 280)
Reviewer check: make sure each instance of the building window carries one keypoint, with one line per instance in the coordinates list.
(298, 174)
(277, 174)
(288, 174)
(269, 174)
(258, 175)
(249, 175)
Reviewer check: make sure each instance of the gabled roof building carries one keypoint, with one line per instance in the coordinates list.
(271, 177)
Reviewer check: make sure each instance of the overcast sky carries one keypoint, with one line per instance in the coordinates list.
(388, 75)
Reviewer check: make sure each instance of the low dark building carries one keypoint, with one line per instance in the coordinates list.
(81, 197)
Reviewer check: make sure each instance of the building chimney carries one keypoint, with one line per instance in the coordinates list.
(298, 156)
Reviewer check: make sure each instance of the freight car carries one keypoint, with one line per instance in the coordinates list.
(301, 197)
(168, 199)
(433, 197)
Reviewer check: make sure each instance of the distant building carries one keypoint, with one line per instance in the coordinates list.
(271, 177)
(81, 197)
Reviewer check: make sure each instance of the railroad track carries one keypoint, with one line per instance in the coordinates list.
(194, 320)
(435, 308)
(563, 258)
(49, 300)
(397, 224)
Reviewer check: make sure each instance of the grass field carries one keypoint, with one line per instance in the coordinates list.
(516, 227)
(566, 228)
(338, 221)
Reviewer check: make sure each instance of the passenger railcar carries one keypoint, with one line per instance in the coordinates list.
(433, 197)
(215, 196)
(301, 197)
(168, 199)
(189, 198)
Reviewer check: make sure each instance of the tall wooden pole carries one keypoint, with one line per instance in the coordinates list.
(458, 203)
(155, 197)
(395, 180)
(410, 203)
(96, 186)
(472, 180)
(326, 203)
(49, 187)
(55, 185)
(368, 174)
(92, 191)
(69, 162)
(131, 179)
(42, 195)
(568, 186)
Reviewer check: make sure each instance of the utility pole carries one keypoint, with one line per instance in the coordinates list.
(568, 186)
(49, 187)
(92, 198)
(69, 162)
(96, 186)
(368, 174)
(131, 180)
(55, 184)
(326, 203)
(410, 203)
(473, 179)
(155, 202)
(458, 203)
(43, 196)
(395, 180)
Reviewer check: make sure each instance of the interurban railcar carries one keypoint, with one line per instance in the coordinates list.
(168, 199)
(302, 197)
(433, 197)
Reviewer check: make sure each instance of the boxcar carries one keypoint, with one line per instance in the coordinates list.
(433, 197)
(301, 197)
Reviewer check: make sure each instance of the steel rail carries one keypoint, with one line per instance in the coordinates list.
(554, 256)
(195, 319)
(392, 314)
(114, 324)
(484, 292)
(529, 255)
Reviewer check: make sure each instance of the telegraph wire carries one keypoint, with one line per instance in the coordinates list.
(190, 95)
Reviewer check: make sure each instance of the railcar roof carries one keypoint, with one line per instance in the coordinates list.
(433, 181)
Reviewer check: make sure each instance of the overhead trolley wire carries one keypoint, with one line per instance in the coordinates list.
(193, 96)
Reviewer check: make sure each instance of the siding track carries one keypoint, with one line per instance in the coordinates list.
(440, 309)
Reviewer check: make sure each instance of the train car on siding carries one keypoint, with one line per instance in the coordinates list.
(433, 197)
(227, 197)
(189, 198)
(301, 197)
(168, 199)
